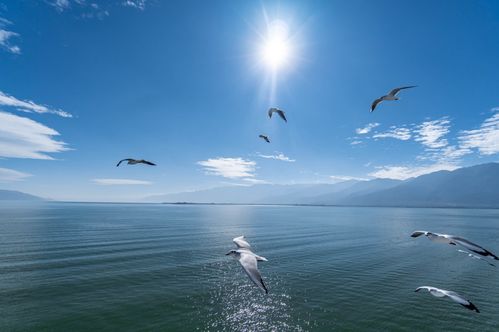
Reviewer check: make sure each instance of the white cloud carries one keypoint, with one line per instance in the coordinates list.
(5, 41)
(21, 137)
(29, 106)
(485, 139)
(403, 134)
(406, 172)
(139, 4)
(60, 5)
(8, 175)
(346, 178)
(120, 182)
(231, 168)
(355, 142)
(278, 156)
(430, 133)
(367, 128)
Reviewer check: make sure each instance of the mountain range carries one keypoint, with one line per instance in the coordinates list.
(475, 186)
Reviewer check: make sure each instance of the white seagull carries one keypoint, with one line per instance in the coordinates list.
(248, 261)
(131, 161)
(450, 294)
(451, 239)
(278, 111)
(392, 95)
(475, 256)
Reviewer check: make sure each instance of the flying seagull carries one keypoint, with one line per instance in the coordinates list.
(451, 239)
(450, 294)
(278, 111)
(392, 95)
(136, 161)
(475, 256)
(266, 138)
(248, 261)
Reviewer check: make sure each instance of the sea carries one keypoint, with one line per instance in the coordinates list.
(158, 267)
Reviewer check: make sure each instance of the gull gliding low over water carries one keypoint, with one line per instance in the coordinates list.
(136, 161)
(437, 292)
(278, 111)
(392, 95)
(454, 240)
(248, 261)
(264, 137)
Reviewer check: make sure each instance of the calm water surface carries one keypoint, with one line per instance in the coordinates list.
(118, 267)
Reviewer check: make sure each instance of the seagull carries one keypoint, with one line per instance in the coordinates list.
(392, 95)
(278, 111)
(248, 261)
(136, 161)
(266, 138)
(475, 256)
(451, 239)
(450, 294)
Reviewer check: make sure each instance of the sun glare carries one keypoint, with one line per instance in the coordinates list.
(276, 49)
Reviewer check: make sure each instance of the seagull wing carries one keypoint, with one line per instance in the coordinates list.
(282, 115)
(266, 138)
(418, 233)
(241, 242)
(375, 103)
(122, 160)
(433, 291)
(250, 266)
(475, 256)
(461, 300)
(472, 247)
(271, 110)
(397, 90)
(147, 162)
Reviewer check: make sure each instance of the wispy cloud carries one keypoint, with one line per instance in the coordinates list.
(346, 178)
(21, 137)
(485, 139)
(431, 133)
(139, 4)
(29, 106)
(406, 172)
(256, 181)
(401, 133)
(367, 128)
(120, 182)
(232, 168)
(355, 142)
(9, 175)
(6, 37)
(277, 156)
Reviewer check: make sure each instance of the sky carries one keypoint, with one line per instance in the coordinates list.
(187, 85)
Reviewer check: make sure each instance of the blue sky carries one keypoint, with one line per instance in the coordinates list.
(86, 83)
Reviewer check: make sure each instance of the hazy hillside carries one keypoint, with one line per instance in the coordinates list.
(11, 195)
(476, 186)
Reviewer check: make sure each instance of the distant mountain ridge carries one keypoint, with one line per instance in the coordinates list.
(12, 195)
(475, 186)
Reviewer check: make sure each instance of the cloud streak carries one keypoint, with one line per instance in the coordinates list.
(21, 137)
(402, 134)
(120, 182)
(231, 168)
(29, 106)
(10, 175)
(278, 156)
(431, 133)
(367, 129)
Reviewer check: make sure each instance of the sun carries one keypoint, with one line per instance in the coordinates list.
(276, 48)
